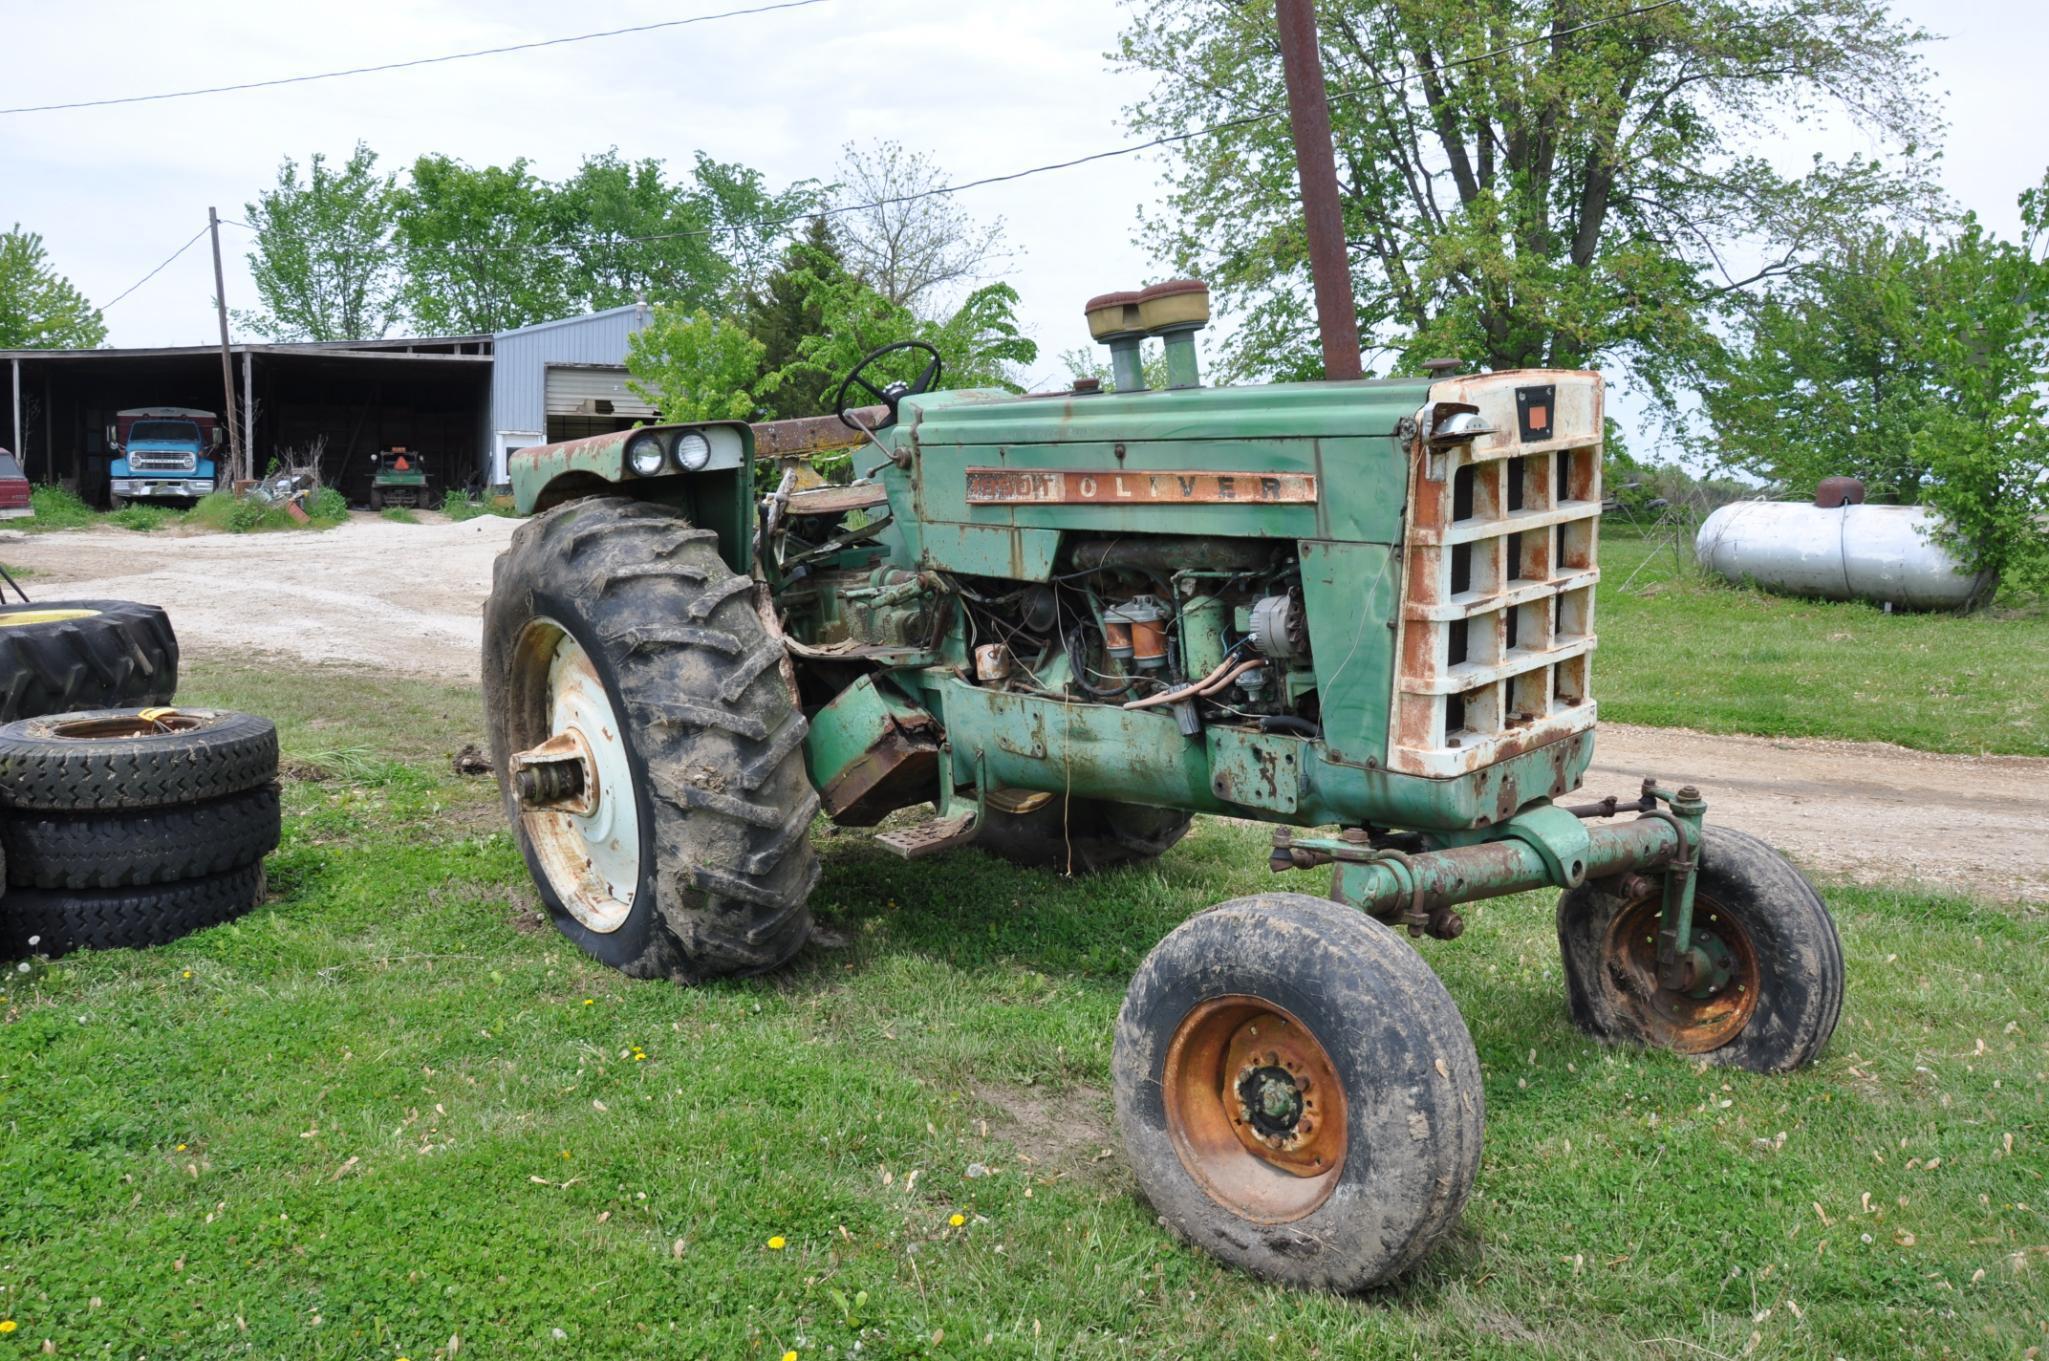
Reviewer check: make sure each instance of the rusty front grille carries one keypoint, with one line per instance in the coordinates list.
(1497, 622)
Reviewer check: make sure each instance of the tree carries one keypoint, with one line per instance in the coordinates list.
(482, 250)
(979, 341)
(1566, 201)
(906, 241)
(785, 312)
(322, 260)
(39, 308)
(694, 367)
(1918, 365)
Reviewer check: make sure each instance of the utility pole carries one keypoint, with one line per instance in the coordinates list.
(220, 299)
(1330, 267)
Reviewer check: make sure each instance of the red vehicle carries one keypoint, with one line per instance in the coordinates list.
(14, 501)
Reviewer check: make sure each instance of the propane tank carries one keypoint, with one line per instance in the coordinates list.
(1883, 554)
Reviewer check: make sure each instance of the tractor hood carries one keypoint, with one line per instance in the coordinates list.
(1369, 407)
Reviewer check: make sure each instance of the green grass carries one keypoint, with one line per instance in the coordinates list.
(56, 508)
(392, 1107)
(400, 515)
(1679, 649)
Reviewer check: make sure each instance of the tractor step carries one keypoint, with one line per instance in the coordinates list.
(931, 836)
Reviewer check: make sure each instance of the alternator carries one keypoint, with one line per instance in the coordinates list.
(1279, 627)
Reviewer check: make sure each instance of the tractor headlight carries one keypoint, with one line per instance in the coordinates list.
(693, 451)
(644, 454)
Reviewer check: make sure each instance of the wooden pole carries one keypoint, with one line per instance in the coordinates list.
(1330, 268)
(220, 300)
(249, 410)
(17, 416)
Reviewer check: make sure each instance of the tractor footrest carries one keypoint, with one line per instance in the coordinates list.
(930, 837)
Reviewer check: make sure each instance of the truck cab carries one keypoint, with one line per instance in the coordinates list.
(162, 453)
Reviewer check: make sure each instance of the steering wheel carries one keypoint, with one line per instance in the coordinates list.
(892, 394)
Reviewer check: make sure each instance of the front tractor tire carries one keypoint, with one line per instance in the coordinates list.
(649, 752)
(1778, 985)
(1297, 1092)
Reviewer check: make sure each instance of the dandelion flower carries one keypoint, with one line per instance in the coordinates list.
(8, 1325)
(958, 1220)
(776, 1244)
(790, 1355)
(181, 1148)
(587, 1001)
(188, 973)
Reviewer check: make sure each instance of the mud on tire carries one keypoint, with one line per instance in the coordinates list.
(1407, 1131)
(1775, 923)
(63, 655)
(713, 737)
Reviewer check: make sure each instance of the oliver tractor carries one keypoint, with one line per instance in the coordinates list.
(1361, 612)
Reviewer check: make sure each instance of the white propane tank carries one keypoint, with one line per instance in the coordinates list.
(1884, 554)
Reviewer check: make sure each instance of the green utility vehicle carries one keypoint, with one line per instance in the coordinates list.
(1362, 612)
(398, 477)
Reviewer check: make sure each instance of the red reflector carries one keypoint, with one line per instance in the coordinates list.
(401, 465)
(1540, 415)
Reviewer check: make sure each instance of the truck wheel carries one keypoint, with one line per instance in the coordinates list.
(1779, 987)
(64, 655)
(650, 755)
(1083, 837)
(62, 920)
(376, 500)
(146, 846)
(126, 758)
(1297, 1092)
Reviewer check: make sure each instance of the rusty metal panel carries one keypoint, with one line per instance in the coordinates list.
(1256, 770)
(1017, 486)
(805, 435)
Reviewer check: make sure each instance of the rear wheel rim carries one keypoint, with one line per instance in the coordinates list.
(1686, 1022)
(590, 857)
(1255, 1108)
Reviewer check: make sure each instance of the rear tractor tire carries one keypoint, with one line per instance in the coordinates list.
(61, 656)
(650, 755)
(1080, 836)
(1297, 1092)
(1777, 994)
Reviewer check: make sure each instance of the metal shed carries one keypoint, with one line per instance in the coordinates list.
(563, 379)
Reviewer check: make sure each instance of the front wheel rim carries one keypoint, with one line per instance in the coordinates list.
(588, 848)
(1255, 1108)
(1696, 1021)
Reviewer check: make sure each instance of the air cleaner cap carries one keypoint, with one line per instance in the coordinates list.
(1178, 304)
(1112, 315)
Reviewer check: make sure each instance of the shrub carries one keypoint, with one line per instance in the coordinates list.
(326, 506)
(458, 507)
(400, 515)
(141, 518)
(58, 508)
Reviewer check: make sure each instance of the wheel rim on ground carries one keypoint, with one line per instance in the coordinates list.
(1695, 1021)
(587, 836)
(1254, 1108)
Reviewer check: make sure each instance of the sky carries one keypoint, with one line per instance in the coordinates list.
(983, 86)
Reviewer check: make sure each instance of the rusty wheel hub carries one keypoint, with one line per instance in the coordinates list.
(1254, 1108)
(575, 787)
(1707, 1000)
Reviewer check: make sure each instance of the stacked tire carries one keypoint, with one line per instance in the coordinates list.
(128, 827)
(67, 655)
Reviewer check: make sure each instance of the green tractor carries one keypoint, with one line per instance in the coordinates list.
(1361, 612)
(398, 477)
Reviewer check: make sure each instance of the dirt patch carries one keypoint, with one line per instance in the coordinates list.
(409, 599)
(373, 593)
(1869, 812)
(1053, 1132)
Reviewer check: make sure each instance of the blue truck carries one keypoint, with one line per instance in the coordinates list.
(162, 453)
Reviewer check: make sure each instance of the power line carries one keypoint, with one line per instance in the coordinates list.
(417, 61)
(158, 270)
(1168, 139)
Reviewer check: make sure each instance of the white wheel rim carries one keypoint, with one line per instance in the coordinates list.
(592, 859)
